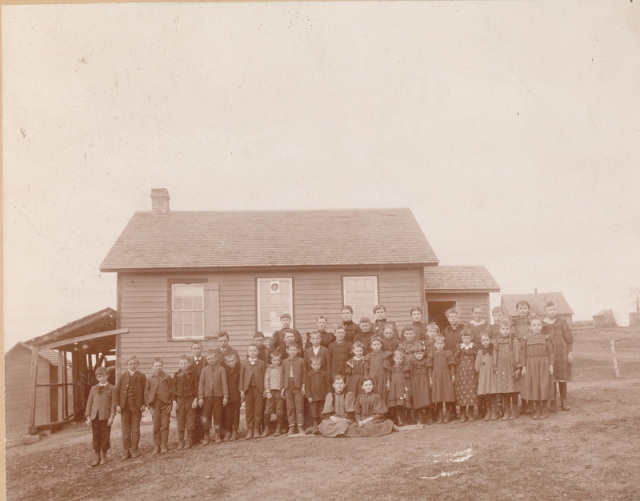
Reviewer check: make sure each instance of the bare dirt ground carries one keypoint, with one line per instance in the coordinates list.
(589, 453)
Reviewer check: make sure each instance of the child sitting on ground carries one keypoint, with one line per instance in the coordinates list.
(100, 411)
(338, 411)
(370, 414)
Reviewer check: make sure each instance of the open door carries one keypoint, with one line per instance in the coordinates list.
(436, 312)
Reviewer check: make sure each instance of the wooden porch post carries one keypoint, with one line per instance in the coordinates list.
(34, 382)
(61, 389)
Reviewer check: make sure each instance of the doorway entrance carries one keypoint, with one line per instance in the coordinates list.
(436, 312)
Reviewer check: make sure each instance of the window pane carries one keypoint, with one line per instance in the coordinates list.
(177, 303)
(187, 303)
(177, 331)
(197, 303)
(177, 318)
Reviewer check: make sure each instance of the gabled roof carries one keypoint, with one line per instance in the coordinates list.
(187, 239)
(103, 320)
(537, 302)
(603, 312)
(50, 356)
(459, 278)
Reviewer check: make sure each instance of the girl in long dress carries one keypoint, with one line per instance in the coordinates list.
(374, 367)
(370, 411)
(339, 410)
(420, 388)
(560, 333)
(487, 377)
(442, 365)
(537, 359)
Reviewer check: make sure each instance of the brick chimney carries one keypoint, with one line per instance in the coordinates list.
(160, 201)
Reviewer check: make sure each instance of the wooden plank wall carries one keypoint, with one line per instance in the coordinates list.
(18, 393)
(465, 303)
(143, 307)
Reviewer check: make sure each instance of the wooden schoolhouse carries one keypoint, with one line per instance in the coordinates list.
(537, 302)
(187, 275)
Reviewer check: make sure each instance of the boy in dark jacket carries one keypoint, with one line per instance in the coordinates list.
(158, 397)
(317, 386)
(213, 394)
(252, 389)
(293, 389)
(185, 393)
(231, 412)
(100, 411)
(130, 405)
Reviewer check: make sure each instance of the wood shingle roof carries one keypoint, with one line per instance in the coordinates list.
(457, 278)
(188, 239)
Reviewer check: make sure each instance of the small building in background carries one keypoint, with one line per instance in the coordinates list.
(605, 318)
(634, 319)
(460, 287)
(537, 302)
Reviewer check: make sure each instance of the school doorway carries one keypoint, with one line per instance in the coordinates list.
(436, 312)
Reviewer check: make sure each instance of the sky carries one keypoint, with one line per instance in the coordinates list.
(511, 130)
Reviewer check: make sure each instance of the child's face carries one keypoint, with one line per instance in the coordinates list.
(497, 316)
(231, 361)
(485, 341)
(419, 355)
(388, 333)
(466, 339)
(432, 333)
(551, 311)
(409, 336)
(322, 324)
(338, 385)
(398, 359)
(132, 365)
(315, 366)
(523, 309)
(157, 367)
(359, 351)
(365, 326)
(340, 335)
(289, 337)
(367, 386)
(346, 315)
(376, 345)
(453, 319)
(505, 331)
(416, 315)
(183, 364)
(252, 351)
(477, 314)
(102, 378)
(276, 361)
(439, 344)
(536, 326)
(258, 340)
(286, 322)
(223, 342)
(379, 313)
(292, 351)
(212, 359)
(196, 350)
(315, 340)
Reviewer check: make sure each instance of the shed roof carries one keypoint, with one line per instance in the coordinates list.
(50, 356)
(103, 320)
(603, 312)
(458, 278)
(188, 239)
(537, 301)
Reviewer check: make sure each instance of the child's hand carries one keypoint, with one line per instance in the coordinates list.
(201, 402)
(551, 370)
(360, 423)
(268, 394)
(453, 379)
(335, 419)
(152, 410)
(388, 385)
(242, 395)
(524, 371)
(110, 421)
(225, 400)
(118, 409)
(310, 400)
(282, 393)
(430, 382)
(302, 391)
(143, 408)
(194, 405)
(169, 407)
(570, 357)
(88, 421)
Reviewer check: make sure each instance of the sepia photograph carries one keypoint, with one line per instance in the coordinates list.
(372, 250)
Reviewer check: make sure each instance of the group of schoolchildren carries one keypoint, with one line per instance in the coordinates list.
(364, 379)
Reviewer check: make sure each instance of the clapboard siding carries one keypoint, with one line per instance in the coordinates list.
(18, 392)
(464, 303)
(144, 307)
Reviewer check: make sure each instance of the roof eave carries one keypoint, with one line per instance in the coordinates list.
(458, 291)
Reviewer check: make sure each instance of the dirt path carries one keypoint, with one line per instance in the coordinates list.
(589, 453)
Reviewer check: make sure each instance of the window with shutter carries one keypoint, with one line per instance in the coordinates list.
(194, 309)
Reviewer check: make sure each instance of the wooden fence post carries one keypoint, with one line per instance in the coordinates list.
(616, 369)
(34, 388)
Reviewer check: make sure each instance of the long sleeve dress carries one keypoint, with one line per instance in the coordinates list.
(521, 327)
(466, 378)
(355, 375)
(343, 407)
(339, 353)
(441, 364)
(537, 355)
(487, 378)
(477, 330)
(399, 385)
(562, 338)
(370, 405)
(374, 369)
(420, 389)
(507, 360)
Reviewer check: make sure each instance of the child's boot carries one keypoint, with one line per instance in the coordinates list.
(135, 453)
(256, 433)
(164, 448)
(399, 421)
(552, 401)
(470, 412)
(506, 408)
(249, 434)
(126, 455)
(446, 413)
(278, 430)
(515, 411)
(217, 438)
(267, 423)
(233, 436)
(487, 408)
(96, 458)
(463, 414)
(429, 416)
(180, 440)
(291, 429)
(545, 411)
(536, 409)
(207, 438)
(103, 456)
(189, 443)
(439, 414)
(156, 449)
(494, 410)
(563, 396)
